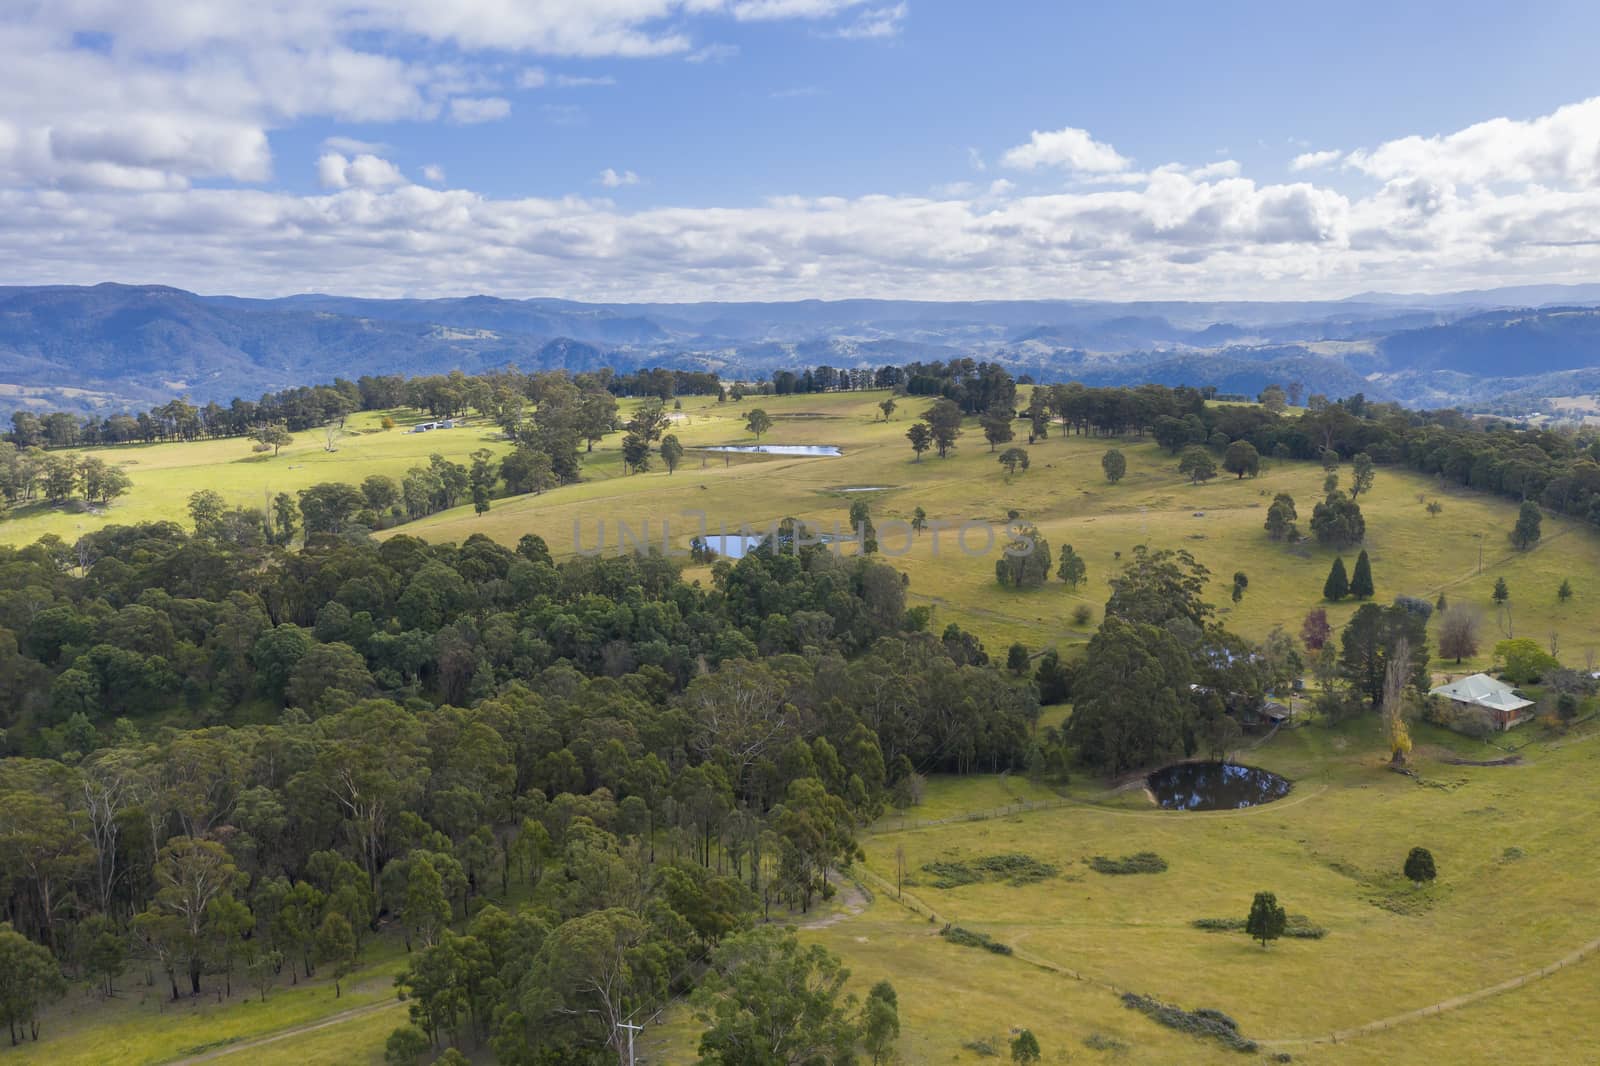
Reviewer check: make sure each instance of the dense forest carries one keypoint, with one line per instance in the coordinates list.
(236, 763)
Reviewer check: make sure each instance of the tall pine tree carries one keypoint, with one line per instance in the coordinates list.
(1361, 579)
(1337, 587)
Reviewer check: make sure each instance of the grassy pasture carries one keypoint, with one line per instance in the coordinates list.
(1512, 897)
(1066, 495)
(164, 475)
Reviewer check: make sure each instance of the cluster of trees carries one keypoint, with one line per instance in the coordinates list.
(501, 396)
(29, 474)
(233, 764)
(828, 379)
(1025, 560)
(1357, 584)
(297, 408)
(1161, 677)
(940, 428)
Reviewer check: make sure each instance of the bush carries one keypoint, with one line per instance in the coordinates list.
(1144, 862)
(967, 938)
(1082, 614)
(1203, 1022)
(1421, 608)
(1012, 868)
(1298, 926)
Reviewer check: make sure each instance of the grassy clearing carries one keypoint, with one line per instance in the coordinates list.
(164, 475)
(1332, 850)
(145, 1028)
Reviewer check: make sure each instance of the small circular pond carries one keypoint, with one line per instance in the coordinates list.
(1215, 786)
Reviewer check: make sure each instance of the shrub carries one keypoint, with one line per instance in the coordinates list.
(1203, 1023)
(1082, 614)
(1419, 866)
(1144, 862)
(967, 938)
(1419, 607)
(1298, 926)
(1013, 868)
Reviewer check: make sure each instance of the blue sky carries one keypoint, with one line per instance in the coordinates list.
(686, 149)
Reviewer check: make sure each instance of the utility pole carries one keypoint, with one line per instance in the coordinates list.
(631, 1030)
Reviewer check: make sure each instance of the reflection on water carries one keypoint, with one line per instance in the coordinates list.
(1214, 786)
(777, 449)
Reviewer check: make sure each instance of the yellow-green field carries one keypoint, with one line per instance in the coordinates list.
(1513, 896)
(1064, 493)
(164, 475)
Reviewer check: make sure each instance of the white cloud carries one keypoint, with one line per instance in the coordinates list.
(755, 10)
(353, 146)
(575, 81)
(1559, 148)
(1314, 160)
(975, 160)
(469, 110)
(875, 23)
(177, 90)
(1069, 148)
(532, 78)
(150, 161)
(1222, 168)
(612, 179)
(365, 171)
(712, 53)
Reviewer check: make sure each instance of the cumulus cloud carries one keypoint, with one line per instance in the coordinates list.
(1313, 160)
(1068, 148)
(1222, 168)
(1559, 148)
(469, 110)
(162, 142)
(174, 91)
(365, 171)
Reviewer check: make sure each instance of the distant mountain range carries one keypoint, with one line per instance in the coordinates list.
(113, 347)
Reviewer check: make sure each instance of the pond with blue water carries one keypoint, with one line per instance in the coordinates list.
(1215, 786)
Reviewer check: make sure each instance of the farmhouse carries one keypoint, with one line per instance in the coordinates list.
(423, 427)
(1504, 707)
